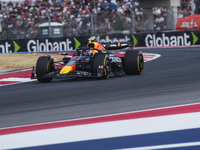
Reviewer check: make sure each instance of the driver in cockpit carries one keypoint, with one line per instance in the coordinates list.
(88, 52)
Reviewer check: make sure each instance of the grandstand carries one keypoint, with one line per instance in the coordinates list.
(22, 18)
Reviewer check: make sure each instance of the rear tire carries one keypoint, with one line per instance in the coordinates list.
(102, 60)
(44, 65)
(133, 62)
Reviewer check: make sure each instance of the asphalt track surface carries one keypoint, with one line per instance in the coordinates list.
(172, 79)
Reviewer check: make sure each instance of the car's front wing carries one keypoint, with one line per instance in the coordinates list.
(72, 74)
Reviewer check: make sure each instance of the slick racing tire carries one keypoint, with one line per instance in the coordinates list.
(133, 62)
(44, 65)
(102, 60)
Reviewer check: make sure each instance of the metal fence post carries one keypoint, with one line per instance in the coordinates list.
(173, 24)
(49, 18)
(92, 23)
(133, 20)
(192, 6)
(145, 25)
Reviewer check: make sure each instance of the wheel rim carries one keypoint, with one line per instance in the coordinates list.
(107, 69)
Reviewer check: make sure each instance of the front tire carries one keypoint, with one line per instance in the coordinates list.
(133, 62)
(102, 60)
(44, 65)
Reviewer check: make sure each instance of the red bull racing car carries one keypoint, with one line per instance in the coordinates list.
(94, 60)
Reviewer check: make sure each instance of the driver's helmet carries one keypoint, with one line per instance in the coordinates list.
(88, 53)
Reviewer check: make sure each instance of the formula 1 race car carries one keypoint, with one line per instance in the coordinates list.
(94, 60)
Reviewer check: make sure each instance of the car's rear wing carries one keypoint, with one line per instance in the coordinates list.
(116, 46)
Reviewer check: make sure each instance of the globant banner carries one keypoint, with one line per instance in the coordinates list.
(56, 44)
(160, 39)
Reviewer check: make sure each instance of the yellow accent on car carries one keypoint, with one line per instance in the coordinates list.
(106, 66)
(138, 63)
(94, 51)
(48, 65)
(67, 69)
(95, 45)
(92, 40)
(105, 69)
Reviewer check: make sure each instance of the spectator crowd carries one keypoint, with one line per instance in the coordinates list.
(23, 18)
(160, 18)
(160, 14)
(185, 9)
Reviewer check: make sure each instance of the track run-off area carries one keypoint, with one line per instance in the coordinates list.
(159, 109)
